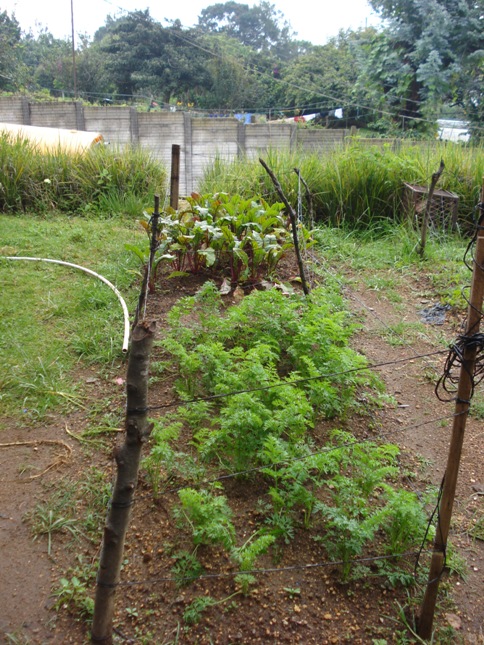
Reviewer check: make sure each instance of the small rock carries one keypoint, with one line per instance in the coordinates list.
(453, 620)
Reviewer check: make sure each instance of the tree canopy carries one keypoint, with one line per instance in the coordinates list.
(427, 60)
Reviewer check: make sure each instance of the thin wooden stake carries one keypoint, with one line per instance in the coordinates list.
(127, 459)
(148, 278)
(309, 196)
(175, 176)
(293, 218)
(428, 206)
(464, 390)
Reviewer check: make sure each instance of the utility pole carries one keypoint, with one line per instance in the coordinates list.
(73, 50)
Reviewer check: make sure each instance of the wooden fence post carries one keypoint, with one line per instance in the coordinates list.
(127, 459)
(175, 176)
(462, 405)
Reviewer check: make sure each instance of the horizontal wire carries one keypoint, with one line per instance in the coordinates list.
(372, 366)
(286, 462)
(296, 567)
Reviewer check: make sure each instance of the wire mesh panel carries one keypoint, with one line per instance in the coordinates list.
(443, 206)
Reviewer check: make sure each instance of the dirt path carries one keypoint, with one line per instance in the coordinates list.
(422, 426)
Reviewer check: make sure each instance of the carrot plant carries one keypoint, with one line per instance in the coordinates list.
(273, 367)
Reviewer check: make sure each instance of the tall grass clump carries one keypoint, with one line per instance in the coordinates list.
(102, 180)
(359, 185)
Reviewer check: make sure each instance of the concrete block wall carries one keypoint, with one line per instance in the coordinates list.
(261, 137)
(68, 116)
(211, 139)
(118, 125)
(320, 140)
(14, 110)
(201, 139)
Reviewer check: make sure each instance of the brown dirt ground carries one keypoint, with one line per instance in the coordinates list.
(324, 611)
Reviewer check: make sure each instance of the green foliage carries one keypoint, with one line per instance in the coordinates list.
(352, 515)
(246, 555)
(269, 340)
(186, 569)
(208, 516)
(261, 27)
(46, 522)
(477, 529)
(244, 239)
(437, 46)
(359, 186)
(10, 47)
(343, 491)
(405, 521)
(195, 609)
(164, 462)
(102, 181)
(73, 595)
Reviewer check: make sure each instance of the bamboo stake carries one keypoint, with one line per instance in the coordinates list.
(462, 405)
(293, 218)
(127, 459)
(425, 223)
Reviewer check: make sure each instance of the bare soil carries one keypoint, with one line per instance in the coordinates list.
(291, 605)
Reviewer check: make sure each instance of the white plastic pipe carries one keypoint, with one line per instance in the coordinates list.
(96, 275)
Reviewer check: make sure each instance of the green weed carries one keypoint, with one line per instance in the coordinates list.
(187, 568)
(105, 182)
(73, 596)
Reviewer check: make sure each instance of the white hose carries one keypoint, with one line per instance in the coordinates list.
(96, 275)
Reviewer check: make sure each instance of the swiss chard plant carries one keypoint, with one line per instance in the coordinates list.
(242, 240)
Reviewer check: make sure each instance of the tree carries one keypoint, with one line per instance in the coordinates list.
(49, 61)
(261, 27)
(324, 77)
(435, 42)
(10, 47)
(141, 56)
(239, 78)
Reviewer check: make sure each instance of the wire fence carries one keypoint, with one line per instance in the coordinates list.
(257, 469)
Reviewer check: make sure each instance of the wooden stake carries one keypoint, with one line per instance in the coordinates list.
(464, 390)
(148, 278)
(293, 218)
(309, 196)
(127, 459)
(175, 176)
(428, 206)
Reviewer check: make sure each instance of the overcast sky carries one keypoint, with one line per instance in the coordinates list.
(312, 20)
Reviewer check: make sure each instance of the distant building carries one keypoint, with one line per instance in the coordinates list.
(453, 130)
